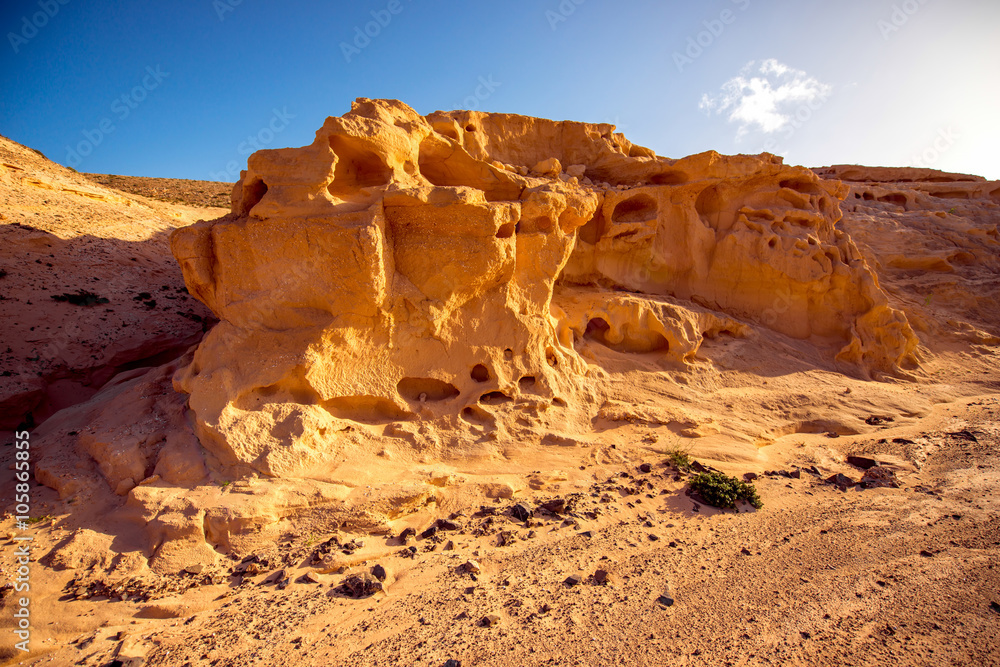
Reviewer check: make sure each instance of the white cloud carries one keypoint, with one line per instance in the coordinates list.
(765, 97)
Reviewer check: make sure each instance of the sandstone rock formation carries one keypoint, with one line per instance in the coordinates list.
(402, 269)
(933, 238)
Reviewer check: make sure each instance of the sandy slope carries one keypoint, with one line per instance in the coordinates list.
(61, 233)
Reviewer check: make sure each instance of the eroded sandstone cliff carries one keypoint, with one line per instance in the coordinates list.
(437, 311)
(403, 268)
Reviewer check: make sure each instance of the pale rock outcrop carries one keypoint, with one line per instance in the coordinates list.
(403, 269)
(934, 238)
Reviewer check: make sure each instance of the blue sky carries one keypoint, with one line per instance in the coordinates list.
(187, 89)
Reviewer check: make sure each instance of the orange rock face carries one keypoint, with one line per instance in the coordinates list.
(933, 238)
(404, 268)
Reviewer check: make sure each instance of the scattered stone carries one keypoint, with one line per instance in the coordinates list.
(556, 505)
(601, 576)
(352, 546)
(450, 545)
(522, 511)
(665, 600)
(745, 551)
(379, 572)
(749, 476)
(795, 474)
(545, 608)
(490, 620)
(406, 534)
(587, 533)
(653, 537)
(573, 580)
(645, 467)
(452, 663)
(878, 420)
(448, 524)
(927, 554)
(879, 477)
(995, 607)
(841, 480)
(311, 578)
(361, 585)
(833, 434)
(197, 568)
(472, 567)
(862, 462)
(429, 533)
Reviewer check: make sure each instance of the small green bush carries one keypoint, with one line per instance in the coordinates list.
(80, 298)
(721, 490)
(679, 459)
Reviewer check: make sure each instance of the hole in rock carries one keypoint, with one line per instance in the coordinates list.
(446, 129)
(897, 199)
(669, 178)
(413, 389)
(252, 194)
(550, 357)
(506, 230)
(494, 398)
(638, 343)
(476, 415)
(470, 128)
(480, 373)
(559, 402)
(772, 243)
(368, 409)
(709, 202)
(804, 187)
(356, 165)
(597, 328)
(526, 381)
(635, 209)
(867, 196)
(508, 353)
(594, 229)
(958, 194)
